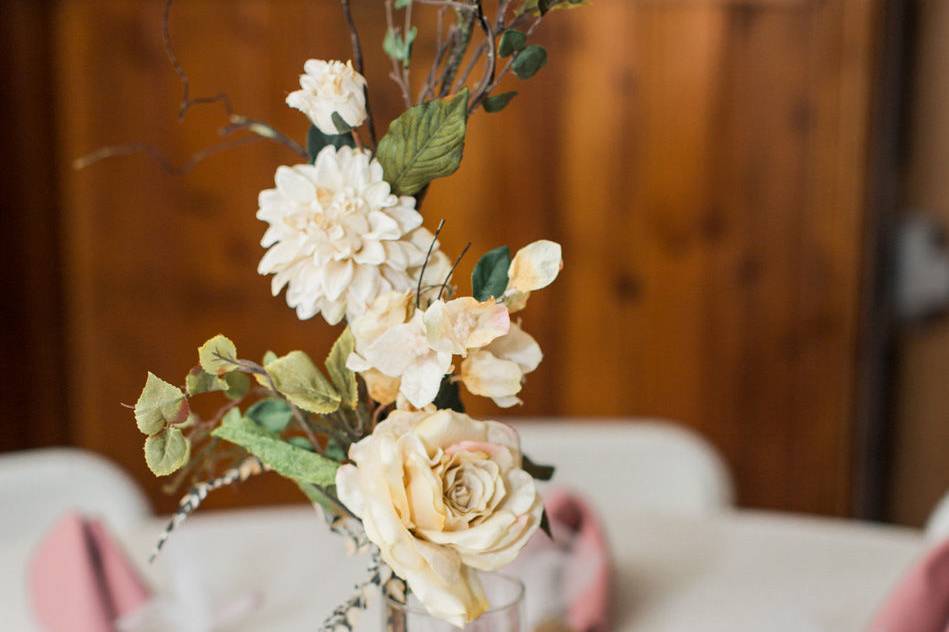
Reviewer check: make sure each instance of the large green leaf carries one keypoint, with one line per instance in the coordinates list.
(424, 143)
(489, 277)
(287, 460)
(298, 379)
(159, 404)
(343, 379)
(167, 451)
(217, 355)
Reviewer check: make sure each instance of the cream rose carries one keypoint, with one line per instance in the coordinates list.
(442, 495)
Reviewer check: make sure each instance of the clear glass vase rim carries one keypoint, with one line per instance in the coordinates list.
(516, 599)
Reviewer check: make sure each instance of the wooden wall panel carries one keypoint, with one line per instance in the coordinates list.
(702, 163)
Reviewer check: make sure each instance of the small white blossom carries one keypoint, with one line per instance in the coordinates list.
(395, 339)
(498, 370)
(337, 237)
(535, 266)
(327, 87)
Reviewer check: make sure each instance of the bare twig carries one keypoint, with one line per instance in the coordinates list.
(461, 39)
(428, 89)
(428, 255)
(504, 71)
(156, 154)
(491, 60)
(460, 6)
(451, 271)
(360, 66)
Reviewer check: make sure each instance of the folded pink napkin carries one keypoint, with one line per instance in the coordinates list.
(568, 578)
(80, 580)
(920, 602)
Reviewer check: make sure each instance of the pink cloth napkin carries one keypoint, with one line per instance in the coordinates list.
(920, 602)
(568, 578)
(80, 580)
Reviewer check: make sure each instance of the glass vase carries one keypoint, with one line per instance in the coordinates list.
(505, 610)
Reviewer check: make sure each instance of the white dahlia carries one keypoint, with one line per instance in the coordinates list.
(338, 238)
(327, 87)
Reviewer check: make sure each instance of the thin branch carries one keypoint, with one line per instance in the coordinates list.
(396, 74)
(156, 154)
(460, 6)
(452, 270)
(490, 64)
(421, 274)
(504, 71)
(461, 39)
(428, 89)
(360, 67)
(186, 101)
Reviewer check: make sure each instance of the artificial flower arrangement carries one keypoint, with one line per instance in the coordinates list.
(380, 441)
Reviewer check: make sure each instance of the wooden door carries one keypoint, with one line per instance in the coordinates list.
(703, 163)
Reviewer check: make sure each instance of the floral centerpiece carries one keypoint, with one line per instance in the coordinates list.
(377, 437)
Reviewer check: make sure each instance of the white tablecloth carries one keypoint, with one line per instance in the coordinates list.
(739, 571)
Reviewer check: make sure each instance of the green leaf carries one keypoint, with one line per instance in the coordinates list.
(298, 379)
(398, 48)
(317, 140)
(301, 442)
(489, 277)
(238, 384)
(402, 4)
(529, 61)
(545, 524)
(159, 404)
(334, 451)
(511, 42)
(540, 472)
(341, 125)
(343, 379)
(217, 355)
(424, 143)
(167, 451)
(449, 396)
(200, 381)
(271, 414)
(322, 496)
(285, 459)
(497, 102)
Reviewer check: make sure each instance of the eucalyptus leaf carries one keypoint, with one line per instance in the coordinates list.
(540, 472)
(159, 404)
(287, 460)
(271, 414)
(167, 451)
(529, 61)
(217, 355)
(316, 141)
(402, 4)
(298, 379)
(238, 384)
(200, 381)
(489, 277)
(397, 47)
(343, 379)
(426, 142)
(301, 442)
(497, 102)
(511, 42)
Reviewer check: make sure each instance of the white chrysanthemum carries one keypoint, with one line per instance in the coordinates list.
(338, 238)
(327, 87)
